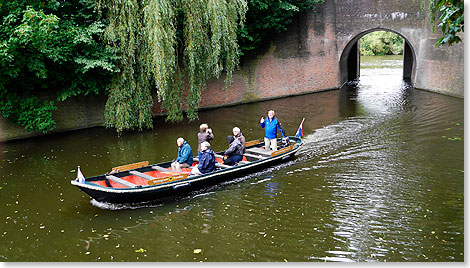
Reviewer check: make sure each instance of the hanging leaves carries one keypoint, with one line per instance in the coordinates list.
(129, 102)
(146, 35)
(451, 20)
(210, 43)
(160, 31)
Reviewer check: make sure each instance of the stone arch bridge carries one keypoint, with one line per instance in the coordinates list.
(320, 52)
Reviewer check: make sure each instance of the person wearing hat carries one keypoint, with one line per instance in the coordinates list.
(206, 160)
(234, 153)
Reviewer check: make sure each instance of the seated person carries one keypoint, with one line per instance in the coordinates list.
(185, 156)
(237, 134)
(206, 161)
(234, 153)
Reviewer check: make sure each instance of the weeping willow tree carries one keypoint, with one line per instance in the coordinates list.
(162, 44)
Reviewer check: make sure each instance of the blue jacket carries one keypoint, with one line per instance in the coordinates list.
(206, 161)
(185, 154)
(270, 128)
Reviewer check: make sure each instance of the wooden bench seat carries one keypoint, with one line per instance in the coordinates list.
(255, 156)
(121, 181)
(142, 175)
(130, 166)
(159, 168)
(259, 151)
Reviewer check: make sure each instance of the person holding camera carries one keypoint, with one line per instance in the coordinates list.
(205, 134)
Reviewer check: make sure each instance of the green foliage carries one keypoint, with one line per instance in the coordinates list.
(52, 50)
(266, 18)
(129, 102)
(149, 36)
(49, 48)
(451, 20)
(381, 43)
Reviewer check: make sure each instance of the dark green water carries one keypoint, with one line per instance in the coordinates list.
(380, 178)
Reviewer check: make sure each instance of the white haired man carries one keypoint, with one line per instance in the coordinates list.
(185, 156)
(271, 125)
(237, 134)
(206, 160)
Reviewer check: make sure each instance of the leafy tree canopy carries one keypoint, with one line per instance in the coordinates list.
(451, 20)
(152, 57)
(381, 43)
(266, 18)
(49, 48)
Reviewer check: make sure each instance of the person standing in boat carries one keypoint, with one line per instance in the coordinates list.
(234, 153)
(206, 160)
(205, 134)
(185, 156)
(271, 125)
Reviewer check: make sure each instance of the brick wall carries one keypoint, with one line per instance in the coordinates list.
(308, 57)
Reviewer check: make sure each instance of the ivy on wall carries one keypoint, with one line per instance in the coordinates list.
(451, 20)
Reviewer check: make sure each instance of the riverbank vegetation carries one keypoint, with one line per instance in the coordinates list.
(451, 20)
(49, 51)
(53, 50)
(381, 43)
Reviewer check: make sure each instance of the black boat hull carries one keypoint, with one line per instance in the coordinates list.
(180, 188)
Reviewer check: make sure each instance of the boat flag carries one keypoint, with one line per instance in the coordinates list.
(80, 177)
(300, 131)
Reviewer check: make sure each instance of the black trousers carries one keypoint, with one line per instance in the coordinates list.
(232, 160)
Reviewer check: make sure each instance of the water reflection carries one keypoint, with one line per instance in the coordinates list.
(380, 178)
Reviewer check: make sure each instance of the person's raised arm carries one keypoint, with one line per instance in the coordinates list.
(279, 126)
(210, 134)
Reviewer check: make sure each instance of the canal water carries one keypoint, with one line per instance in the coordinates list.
(380, 178)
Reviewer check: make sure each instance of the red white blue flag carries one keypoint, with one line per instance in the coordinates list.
(300, 131)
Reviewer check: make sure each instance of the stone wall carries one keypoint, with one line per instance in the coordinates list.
(72, 114)
(435, 69)
(310, 56)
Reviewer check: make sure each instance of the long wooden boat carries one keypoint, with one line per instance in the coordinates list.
(142, 182)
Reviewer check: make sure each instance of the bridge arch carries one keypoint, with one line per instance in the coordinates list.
(349, 63)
